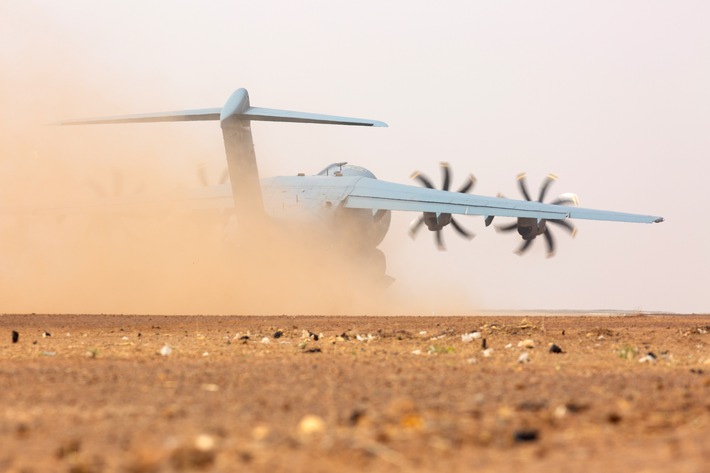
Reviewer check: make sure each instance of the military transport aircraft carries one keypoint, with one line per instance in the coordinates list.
(347, 193)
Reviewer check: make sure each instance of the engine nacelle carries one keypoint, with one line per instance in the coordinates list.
(435, 222)
(529, 228)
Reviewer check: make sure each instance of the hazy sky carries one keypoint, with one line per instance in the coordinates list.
(611, 96)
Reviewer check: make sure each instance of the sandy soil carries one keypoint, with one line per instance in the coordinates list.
(91, 393)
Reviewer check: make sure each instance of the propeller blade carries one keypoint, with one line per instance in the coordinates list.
(462, 231)
(507, 228)
(523, 186)
(468, 185)
(439, 241)
(524, 247)
(415, 226)
(564, 223)
(545, 185)
(550, 243)
(423, 179)
(564, 199)
(446, 176)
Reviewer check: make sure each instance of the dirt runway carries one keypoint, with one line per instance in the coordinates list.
(93, 393)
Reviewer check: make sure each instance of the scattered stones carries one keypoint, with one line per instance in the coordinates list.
(555, 349)
(365, 338)
(308, 334)
(650, 357)
(15, 336)
(313, 350)
(696, 371)
(469, 337)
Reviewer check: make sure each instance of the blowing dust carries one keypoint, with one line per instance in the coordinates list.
(93, 220)
(98, 219)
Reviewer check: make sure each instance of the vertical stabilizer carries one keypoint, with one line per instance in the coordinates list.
(241, 159)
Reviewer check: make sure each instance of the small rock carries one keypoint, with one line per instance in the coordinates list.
(204, 442)
(469, 337)
(312, 350)
(265, 340)
(555, 349)
(488, 352)
(165, 351)
(524, 357)
(15, 336)
(278, 334)
(528, 343)
(649, 358)
(484, 344)
(311, 425)
(46, 334)
(528, 435)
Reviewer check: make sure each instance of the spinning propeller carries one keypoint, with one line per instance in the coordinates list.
(435, 222)
(531, 228)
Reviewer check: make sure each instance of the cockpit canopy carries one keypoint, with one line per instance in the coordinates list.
(345, 169)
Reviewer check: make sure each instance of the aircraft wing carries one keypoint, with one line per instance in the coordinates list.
(375, 194)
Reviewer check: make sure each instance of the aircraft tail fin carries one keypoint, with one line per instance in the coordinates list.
(235, 118)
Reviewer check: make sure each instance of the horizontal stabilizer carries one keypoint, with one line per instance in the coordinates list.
(236, 108)
(273, 115)
(177, 116)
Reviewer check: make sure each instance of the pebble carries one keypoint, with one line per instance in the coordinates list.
(555, 349)
(311, 425)
(528, 343)
(524, 357)
(165, 351)
(528, 435)
(469, 337)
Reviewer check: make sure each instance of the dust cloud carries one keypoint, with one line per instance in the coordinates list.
(98, 219)
(93, 220)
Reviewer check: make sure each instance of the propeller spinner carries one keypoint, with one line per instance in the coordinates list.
(436, 222)
(530, 228)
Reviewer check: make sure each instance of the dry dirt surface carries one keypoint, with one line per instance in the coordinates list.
(93, 393)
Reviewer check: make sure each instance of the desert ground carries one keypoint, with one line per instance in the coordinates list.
(93, 393)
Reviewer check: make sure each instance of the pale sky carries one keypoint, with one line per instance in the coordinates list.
(611, 96)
